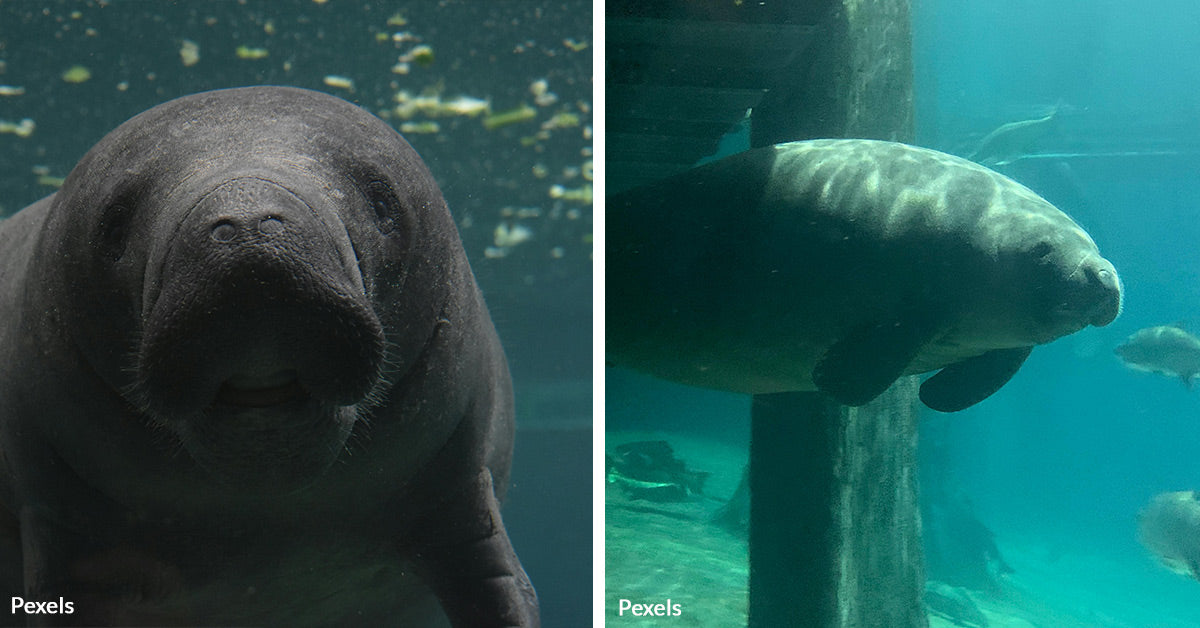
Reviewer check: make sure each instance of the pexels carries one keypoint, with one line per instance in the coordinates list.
(649, 610)
(61, 607)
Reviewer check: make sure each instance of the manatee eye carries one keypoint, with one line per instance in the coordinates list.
(1041, 249)
(385, 206)
(113, 230)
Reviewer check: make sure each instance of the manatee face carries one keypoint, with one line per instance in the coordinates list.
(243, 285)
(1063, 296)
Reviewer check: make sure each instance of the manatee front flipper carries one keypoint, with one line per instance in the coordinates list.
(465, 555)
(863, 363)
(966, 383)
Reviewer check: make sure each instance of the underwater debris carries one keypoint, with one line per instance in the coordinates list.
(24, 128)
(561, 120)
(340, 82)
(507, 235)
(189, 52)
(432, 105)
(575, 46)
(421, 55)
(542, 96)
(580, 195)
(76, 74)
(425, 127)
(246, 52)
(649, 470)
(51, 181)
(11, 90)
(511, 116)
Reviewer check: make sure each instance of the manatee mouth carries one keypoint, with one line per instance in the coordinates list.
(249, 391)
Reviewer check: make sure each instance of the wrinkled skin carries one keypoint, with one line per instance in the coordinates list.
(248, 378)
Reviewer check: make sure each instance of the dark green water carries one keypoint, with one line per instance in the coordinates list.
(539, 290)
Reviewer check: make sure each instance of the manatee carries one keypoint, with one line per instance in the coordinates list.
(1166, 349)
(841, 265)
(248, 379)
(1169, 526)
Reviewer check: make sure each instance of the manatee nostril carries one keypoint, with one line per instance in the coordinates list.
(224, 231)
(270, 224)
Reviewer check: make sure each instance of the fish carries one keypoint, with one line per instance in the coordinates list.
(1166, 349)
(1169, 526)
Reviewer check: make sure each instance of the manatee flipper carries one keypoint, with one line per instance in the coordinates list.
(862, 364)
(466, 557)
(966, 383)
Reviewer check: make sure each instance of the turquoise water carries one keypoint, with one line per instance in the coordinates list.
(1059, 462)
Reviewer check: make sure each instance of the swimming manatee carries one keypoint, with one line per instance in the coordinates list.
(248, 379)
(841, 265)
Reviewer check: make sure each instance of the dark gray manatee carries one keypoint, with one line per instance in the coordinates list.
(248, 379)
(840, 265)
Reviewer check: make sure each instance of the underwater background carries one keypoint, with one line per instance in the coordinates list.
(1055, 466)
(495, 96)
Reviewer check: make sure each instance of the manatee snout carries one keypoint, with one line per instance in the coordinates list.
(257, 332)
(1099, 293)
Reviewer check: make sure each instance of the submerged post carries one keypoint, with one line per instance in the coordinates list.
(834, 520)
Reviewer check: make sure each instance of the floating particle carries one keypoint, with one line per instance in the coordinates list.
(122, 86)
(421, 55)
(424, 127)
(246, 52)
(494, 252)
(581, 194)
(403, 36)
(508, 235)
(24, 128)
(587, 132)
(381, 37)
(397, 20)
(40, 170)
(90, 32)
(11, 90)
(400, 68)
(575, 46)
(269, 27)
(189, 52)
(586, 170)
(76, 74)
(320, 1)
(557, 252)
(75, 15)
(512, 116)
(574, 213)
(540, 171)
(54, 182)
(467, 106)
(561, 121)
(542, 96)
(3, 66)
(341, 82)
